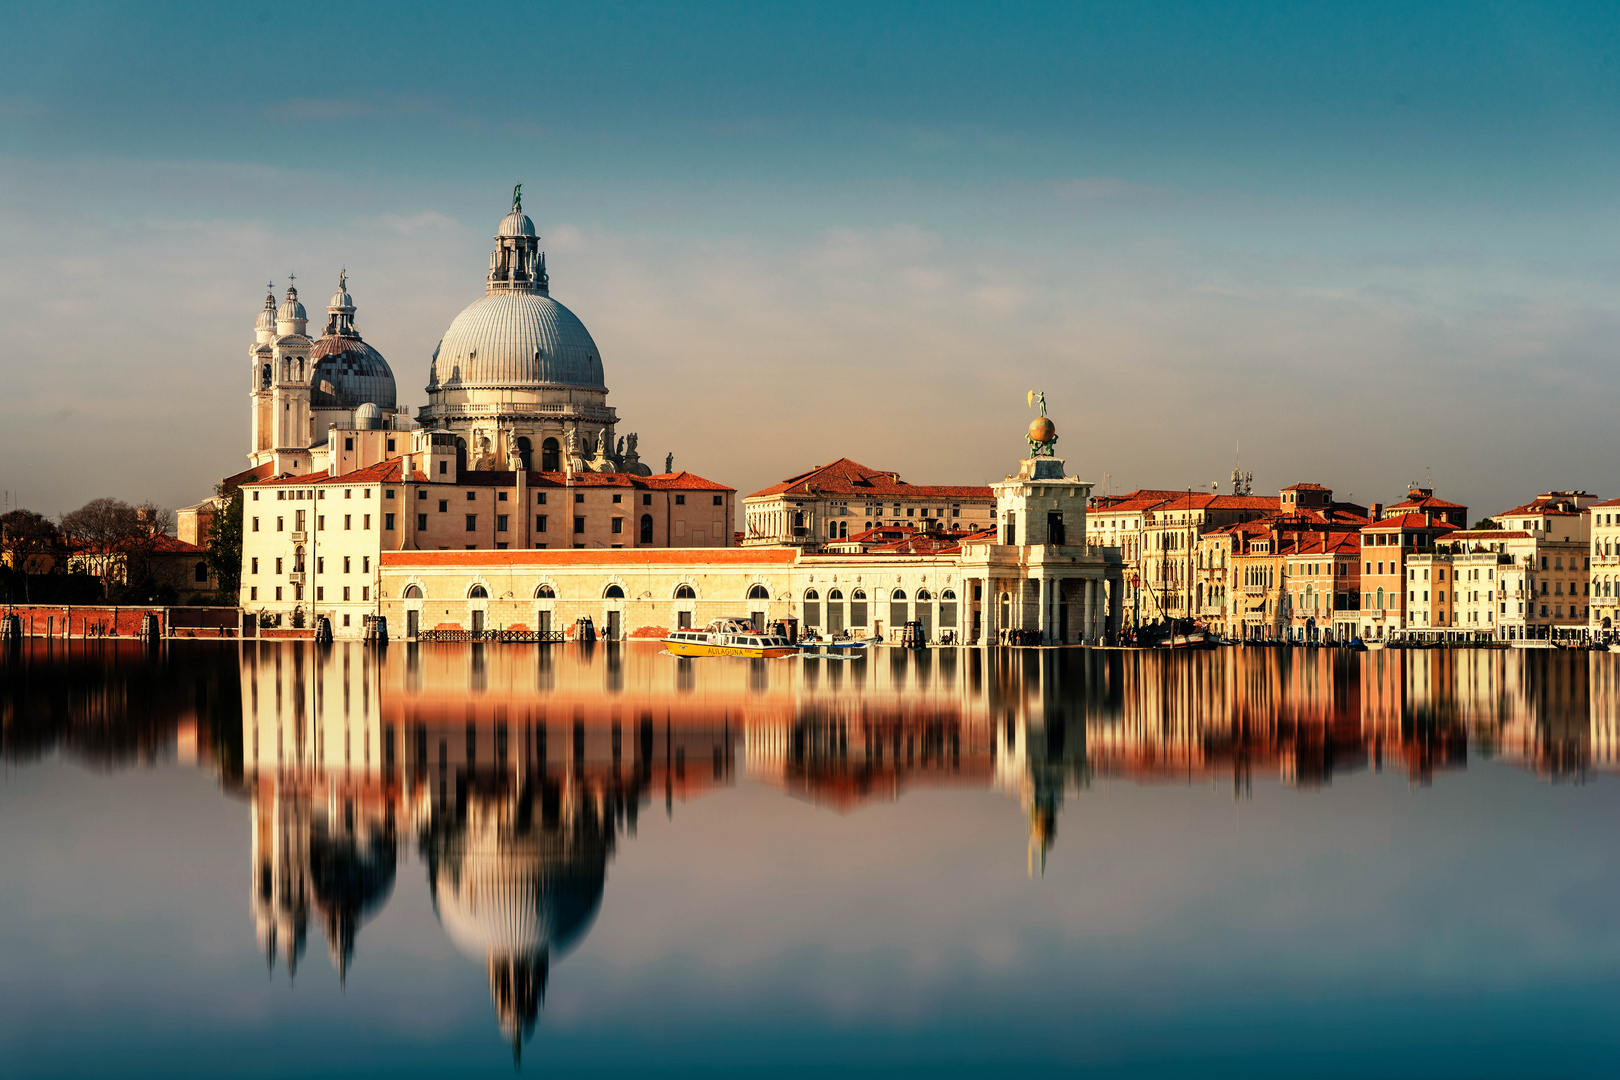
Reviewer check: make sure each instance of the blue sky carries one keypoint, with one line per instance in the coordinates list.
(1364, 240)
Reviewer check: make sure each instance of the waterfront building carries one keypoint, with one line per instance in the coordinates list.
(1115, 521)
(835, 501)
(1603, 525)
(1386, 544)
(1322, 586)
(1172, 587)
(1034, 573)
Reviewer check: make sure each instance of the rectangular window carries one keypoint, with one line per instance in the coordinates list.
(320, 564)
(348, 443)
(280, 523)
(618, 525)
(255, 496)
(365, 563)
(345, 592)
(443, 467)
(320, 522)
(390, 446)
(540, 498)
(579, 524)
(253, 593)
(320, 592)
(618, 498)
(719, 500)
(500, 522)
(471, 495)
(345, 564)
(390, 494)
(579, 496)
(500, 496)
(255, 569)
(388, 521)
(348, 521)
(444, 506)
(365, 592)
(680, 500)
(255, 524)
(421, 522)
(472, 522)
(278, 567)
(646, 500)
(365, 522)
(540, 523)
(278, 592)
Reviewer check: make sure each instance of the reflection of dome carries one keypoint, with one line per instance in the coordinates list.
(516, 896)
(1042, 430)
(514, 338)
(351, 880)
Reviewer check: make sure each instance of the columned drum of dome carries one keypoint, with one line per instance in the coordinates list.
(348, 373)
(518, 369)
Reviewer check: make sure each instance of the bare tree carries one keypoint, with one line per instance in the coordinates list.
(29, 541)
(113, 538)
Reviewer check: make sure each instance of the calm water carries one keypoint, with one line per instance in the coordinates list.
(434, 860)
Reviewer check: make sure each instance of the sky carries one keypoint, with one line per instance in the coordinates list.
(1365, 244)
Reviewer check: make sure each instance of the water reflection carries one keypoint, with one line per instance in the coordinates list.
(513, 773)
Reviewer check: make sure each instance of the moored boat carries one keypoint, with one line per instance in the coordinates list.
(728, 637)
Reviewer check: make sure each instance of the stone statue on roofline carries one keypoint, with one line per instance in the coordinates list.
(669, 463)
(1042, 434)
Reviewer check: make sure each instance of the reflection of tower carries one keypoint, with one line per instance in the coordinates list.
(280, 898)
(314, 854)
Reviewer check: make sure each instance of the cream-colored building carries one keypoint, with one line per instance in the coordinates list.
(842, 499)
(1035, 575)
(1603, 526)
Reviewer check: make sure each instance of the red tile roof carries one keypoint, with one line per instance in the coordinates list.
(846, 477)
(390, 472)
(527, 557)
(1306, 487)
(1408, 521)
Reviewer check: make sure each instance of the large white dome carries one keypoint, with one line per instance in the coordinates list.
(516, 339)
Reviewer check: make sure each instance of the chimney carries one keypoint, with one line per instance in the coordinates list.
(1377, 511)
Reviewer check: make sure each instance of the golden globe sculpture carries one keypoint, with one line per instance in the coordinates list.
(1042, 430)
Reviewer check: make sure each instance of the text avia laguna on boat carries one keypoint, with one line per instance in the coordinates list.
(729, 637)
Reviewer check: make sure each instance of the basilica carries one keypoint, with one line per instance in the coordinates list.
(516, 382)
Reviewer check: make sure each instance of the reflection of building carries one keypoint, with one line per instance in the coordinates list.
(518, 770)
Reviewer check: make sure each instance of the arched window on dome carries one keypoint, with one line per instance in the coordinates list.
(525, 453)
(550, 456)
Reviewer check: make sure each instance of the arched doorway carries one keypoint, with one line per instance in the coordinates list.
(525, 453)
(550, 456)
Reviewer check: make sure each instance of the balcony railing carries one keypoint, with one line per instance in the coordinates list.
(299, 536)
(296, 577)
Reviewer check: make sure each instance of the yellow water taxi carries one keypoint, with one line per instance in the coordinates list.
(728, 637)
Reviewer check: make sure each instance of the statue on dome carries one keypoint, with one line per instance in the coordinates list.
(669, 463)
(1042, 433)
(517, 198)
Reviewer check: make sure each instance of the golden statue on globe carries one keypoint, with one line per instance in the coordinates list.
(1042, 433)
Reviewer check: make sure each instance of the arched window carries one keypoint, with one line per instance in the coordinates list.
(550, 456)
(200, 571)
(898, 594)
(1380, 599)
(461, 454)
(525, 453)
(923, 594)
(545, 592)
(857, 607)
(948, 594)
(759, 592)
(811, 594)
(265, 378)
(412, 592)
(835, 594)
(477, 592)
(646, 528)
(614, 593)
(685, 592)
(812, 608)
(947, 609)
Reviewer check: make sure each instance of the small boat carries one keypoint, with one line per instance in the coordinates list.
(728, 637)
(1374, 646)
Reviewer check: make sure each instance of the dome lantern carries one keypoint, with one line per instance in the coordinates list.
(517, 264)
(290, 317)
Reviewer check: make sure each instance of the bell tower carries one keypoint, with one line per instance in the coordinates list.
(283, 430)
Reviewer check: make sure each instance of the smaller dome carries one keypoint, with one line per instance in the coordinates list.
(341, 301)
(516, 223)
(368, 417)
(267, 319)
(291, 309)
